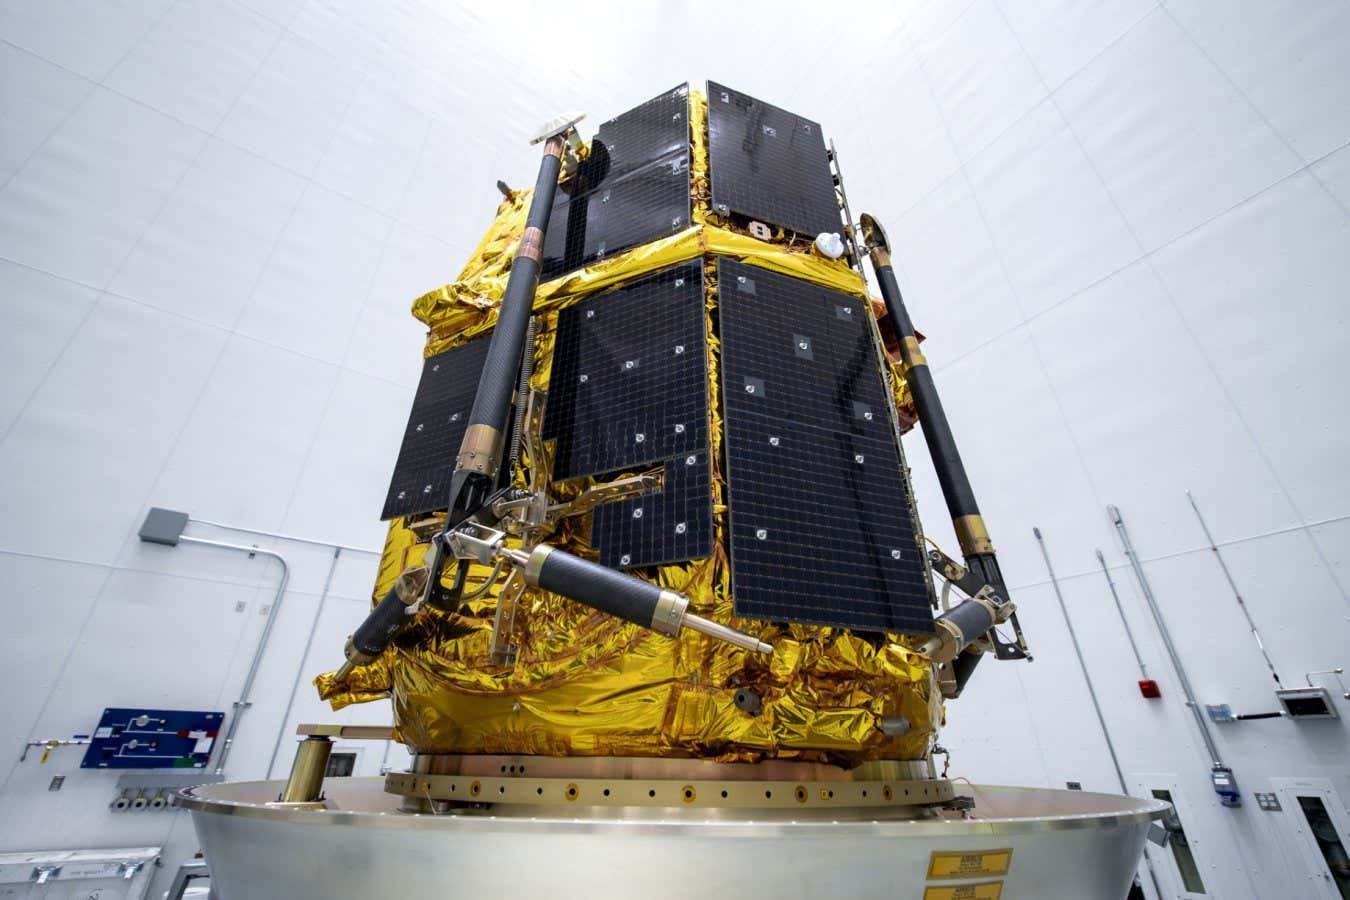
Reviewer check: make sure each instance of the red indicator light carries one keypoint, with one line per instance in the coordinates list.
(1149, 688)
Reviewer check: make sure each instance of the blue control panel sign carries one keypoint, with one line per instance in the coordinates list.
(153, 739)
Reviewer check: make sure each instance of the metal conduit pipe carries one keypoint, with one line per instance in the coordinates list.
(1092, 691)
(304, 657)
(243, 702)
(1172, 654)
(284, 537)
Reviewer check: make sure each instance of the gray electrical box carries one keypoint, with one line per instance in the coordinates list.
(163, 526)
(1307, 703)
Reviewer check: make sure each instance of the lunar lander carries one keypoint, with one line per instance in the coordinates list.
(655, 610)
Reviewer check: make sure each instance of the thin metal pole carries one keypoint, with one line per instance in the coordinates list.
(304, 656)
(1158, 620)
(243, 702)
(285, 537)
(1143, 669)
(1087, 680)
(1237, 594)
(1082, 664)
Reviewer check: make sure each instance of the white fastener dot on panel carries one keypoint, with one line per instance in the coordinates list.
(590, 314)
(749, 388)
(679, 348)
(455, 417)
(689, 460)
(679, 428)
(868, 415)
(762, 534)
(680, 528)
(629, 363)
(419, 426)
(679, 282)
(625, 559)
(639, 437)
(637, 513)
(895, 554)
(426, 489)
(803, 345)
(584, 378)
(858, 458)
(774, 442)
(402, 495)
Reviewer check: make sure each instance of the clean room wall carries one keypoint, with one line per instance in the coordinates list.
(1122, 226)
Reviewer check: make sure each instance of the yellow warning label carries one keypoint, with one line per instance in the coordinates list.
(988, 890)
(955, 864)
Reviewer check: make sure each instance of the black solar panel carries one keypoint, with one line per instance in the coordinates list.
(768, 165)
(629, 390)
(631, 190)
(440, 413)
(629, 379)
(821, 529)
(672, 526)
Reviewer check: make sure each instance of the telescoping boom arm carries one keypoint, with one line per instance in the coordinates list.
(960, 627)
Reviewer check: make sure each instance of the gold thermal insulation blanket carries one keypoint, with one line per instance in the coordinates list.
(588, 684)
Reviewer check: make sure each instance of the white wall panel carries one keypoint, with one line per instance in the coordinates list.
(97, 431)
(294, 105)
(982, 79)
(40, 315)
(1285, 254)
(1056, 228)
(197, 60)
(310, 294)
(1174, 140)
(1062, 36)
(1118, 355)
(36, 96)
(246, 442)
(355, 448)
(1334, 173)
(207, 248)
(955, 288)
(79, 205)
(86, 38)
(1287, 57)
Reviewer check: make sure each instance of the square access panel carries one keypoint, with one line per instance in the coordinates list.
(631, 190)
(822, 530)
(769, 165)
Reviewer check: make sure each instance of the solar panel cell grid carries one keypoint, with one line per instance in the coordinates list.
(768, 164)
(436, 424)
(629, 389)
(821, 528)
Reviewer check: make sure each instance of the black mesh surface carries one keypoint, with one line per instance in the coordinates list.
(672, 526)
(629, 390)
(440, 413)
(769, 165)
(821, 530)
(632, 189)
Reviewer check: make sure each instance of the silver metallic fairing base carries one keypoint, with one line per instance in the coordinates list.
(1068, 844)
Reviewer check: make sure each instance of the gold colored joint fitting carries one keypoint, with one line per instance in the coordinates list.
(555, 145)
(945, 644)
(531, 244)
(668, 617)
(480, 450)
(535, 564)
(972, 536)
(411, 584)
(880, 257)
(910, 354)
